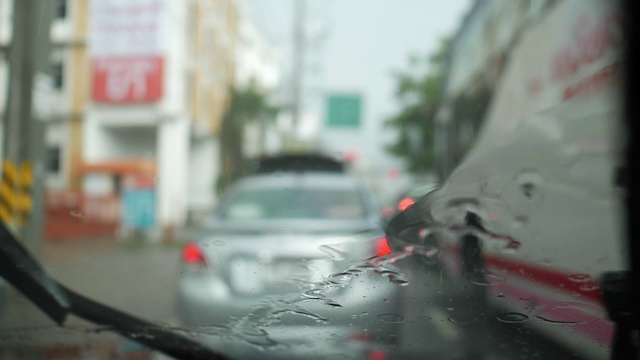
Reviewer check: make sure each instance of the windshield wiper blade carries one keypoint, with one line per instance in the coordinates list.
(21, 270)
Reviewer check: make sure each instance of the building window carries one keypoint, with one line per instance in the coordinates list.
(53, 159)
(58, 76)
(60, 9)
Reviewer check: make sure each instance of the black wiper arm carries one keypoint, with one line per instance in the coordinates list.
(20, 269)
(26, 275)
(144, 332)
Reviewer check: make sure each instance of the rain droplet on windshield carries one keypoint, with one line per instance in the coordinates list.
(520, 221)
(513, 244)
(334, 254)
(579, 278)
(512, 317)
(330, 303)
(395, 277)
(589, 287)
(566, 312)
(529, 182)
(528, 189)
(340, 278)
(313, 294)
(466, 319)
(489, 278)
(391, 318)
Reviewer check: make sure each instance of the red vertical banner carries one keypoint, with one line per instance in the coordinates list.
(127, 45)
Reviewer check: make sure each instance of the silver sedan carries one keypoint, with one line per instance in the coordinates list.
(287, 250)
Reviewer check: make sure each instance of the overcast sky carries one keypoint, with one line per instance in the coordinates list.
(364, 41)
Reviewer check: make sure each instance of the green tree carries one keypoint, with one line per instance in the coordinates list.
(248, 104)
(418, 92)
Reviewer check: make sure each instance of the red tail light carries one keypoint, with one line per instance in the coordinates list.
(377, 355)
(405, 203)
(192, 254)
(382, 247)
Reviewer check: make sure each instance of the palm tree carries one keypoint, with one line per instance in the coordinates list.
(248, 104)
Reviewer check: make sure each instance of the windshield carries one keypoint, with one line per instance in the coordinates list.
(317, 179)
(294, 203)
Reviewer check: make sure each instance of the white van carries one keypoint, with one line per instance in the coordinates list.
(541, 179)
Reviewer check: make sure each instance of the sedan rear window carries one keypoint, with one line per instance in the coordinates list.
(287, 203)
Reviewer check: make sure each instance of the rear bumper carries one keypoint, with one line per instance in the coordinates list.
(299, 342)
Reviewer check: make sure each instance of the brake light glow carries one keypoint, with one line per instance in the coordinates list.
(405, 203)
(377, 355)
(382, 247)
(191, 254)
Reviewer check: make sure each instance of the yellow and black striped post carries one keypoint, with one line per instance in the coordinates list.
(7, 191)
(15, 197)
(23, 193)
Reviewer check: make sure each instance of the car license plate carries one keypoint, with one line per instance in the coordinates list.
(246, 275)
(282, 271)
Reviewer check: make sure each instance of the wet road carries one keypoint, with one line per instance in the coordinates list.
(137, 278)
(433, 322)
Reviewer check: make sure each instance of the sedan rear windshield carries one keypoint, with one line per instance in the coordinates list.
(287, 203)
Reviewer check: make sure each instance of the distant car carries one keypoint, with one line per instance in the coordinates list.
(283, 234)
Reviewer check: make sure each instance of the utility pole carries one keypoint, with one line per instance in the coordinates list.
(298, 60)
(23, 145)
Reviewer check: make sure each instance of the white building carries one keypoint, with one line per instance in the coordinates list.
(173, 126)
(142, 85)
(205, 48)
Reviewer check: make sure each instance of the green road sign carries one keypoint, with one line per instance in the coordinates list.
(344, 110)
